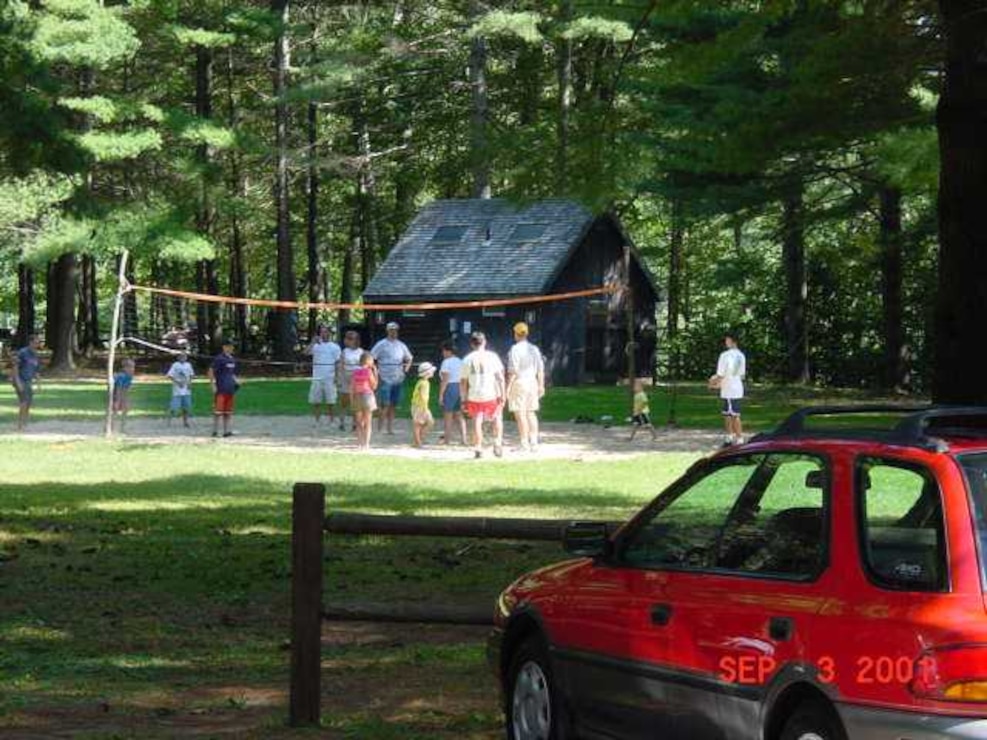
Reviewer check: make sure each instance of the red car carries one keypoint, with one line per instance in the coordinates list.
(813, 584)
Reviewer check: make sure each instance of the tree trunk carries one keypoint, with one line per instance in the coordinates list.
(207, 314)
(25, 304)
(62, 319)
(961, 304)
(346, 276)
(312, 216)
(366, 203)
(796, 286)
(674, 287)
(238, 267)
(84, 326)
(286, 331)
(895, 351)
(479, 122)
(564, 53)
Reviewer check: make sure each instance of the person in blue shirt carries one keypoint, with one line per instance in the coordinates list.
(122, 383)
(225, 384)
(26, 367)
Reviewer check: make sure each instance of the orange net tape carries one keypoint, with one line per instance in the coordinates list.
(437, 306)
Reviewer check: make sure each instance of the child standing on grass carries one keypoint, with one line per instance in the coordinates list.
(642, 411)
(181, 374)
(421, 415)
(122, 383)
(363, 397)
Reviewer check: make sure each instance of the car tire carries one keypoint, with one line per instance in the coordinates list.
(813, 720)
(533, 705)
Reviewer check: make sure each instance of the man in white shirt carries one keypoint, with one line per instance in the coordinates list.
(525, 385)
(181, 373)
(731, 369)
(326, 357)
(483, 390)
(393, 362)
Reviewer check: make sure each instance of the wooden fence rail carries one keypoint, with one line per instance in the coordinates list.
(309, 523)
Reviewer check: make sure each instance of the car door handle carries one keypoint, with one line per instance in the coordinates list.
(661, 614)
(781, 628)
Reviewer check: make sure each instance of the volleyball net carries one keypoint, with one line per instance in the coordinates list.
(156, 324)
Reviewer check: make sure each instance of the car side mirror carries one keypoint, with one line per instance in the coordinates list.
(586, 539)
(815, 479)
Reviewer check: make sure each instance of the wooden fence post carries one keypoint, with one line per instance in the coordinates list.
(307, 517)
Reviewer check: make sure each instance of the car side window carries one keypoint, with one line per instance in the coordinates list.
(685, 531)
(901, 525)
(779, 527)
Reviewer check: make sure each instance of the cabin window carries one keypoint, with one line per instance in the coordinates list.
(494, 312)
(528, 232)
(449, 234)
(413, 314)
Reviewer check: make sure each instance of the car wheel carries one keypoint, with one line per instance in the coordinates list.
(533, 706)
(813, 721)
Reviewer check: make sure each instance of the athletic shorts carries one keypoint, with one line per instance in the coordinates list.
(522, 397)
(223, 404)
(389, 393)
(323, 390)
(452, 401)
(641, 420)
(25, 394)
(731, 406)
(364, 402)
(181, 403)
(486, 410)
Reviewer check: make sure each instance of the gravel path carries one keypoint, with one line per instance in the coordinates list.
(298, 434)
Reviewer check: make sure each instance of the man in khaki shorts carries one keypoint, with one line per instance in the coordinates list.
(525, 385)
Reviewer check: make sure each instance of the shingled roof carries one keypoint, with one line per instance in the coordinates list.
(499, 249)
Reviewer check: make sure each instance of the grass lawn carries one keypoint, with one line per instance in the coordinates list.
(694, 406)
(144, 588)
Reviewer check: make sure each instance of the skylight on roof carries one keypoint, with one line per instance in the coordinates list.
(449, 234)
(528, 232)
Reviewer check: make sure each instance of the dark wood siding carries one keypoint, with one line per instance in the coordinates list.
(583, 339)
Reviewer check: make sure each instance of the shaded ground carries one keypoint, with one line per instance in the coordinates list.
(560, 440)
(369, 688)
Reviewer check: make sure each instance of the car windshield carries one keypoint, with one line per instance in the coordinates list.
(975, 467)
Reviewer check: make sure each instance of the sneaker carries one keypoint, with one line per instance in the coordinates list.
(498, 451)
(477, 454)
(227, 434)
(215, 434)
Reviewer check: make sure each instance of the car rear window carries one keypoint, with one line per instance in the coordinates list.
(975, 468)
(901, 526)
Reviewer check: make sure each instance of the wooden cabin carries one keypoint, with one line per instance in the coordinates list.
(472, 249)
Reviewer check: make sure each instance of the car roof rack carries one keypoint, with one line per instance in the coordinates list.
(913, 430)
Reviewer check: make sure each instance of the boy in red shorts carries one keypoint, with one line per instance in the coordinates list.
(482, 383)
(225, 384)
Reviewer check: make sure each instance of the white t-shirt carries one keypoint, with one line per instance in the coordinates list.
(732, 367)
(391, 354)
(454, 367)
(181, 374)
(482, 368)
(325, 355)
(351, 361)
(525, 361)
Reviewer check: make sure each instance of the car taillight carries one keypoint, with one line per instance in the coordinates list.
(953, 673)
